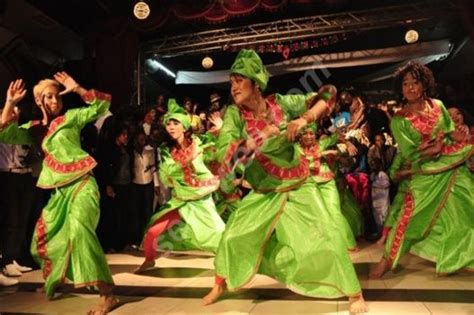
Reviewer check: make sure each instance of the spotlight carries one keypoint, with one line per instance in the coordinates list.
(207, 63)
(141, 10)
(411, 36)
(156, 65)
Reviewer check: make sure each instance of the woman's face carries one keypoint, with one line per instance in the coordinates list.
(122, 138)
(51, 100)
(242, 89)
(379, 141)
(141, 140)
(412, 88)
(151, 115)
(308, 138)
(175, 129)
(456, 116)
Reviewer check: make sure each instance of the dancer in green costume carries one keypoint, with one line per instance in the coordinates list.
(282, 227)
(64, 242)
(436, 218)
(323, 177)
(191, 206)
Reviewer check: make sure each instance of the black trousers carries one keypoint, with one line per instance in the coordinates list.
(17, 194)
(114, 229)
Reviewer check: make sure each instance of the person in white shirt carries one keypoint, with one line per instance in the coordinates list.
(149, 120)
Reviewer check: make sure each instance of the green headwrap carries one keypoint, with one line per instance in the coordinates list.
(249, 64)
(177, 113)
(312, 126)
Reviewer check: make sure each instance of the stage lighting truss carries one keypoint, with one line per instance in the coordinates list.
(301, 28)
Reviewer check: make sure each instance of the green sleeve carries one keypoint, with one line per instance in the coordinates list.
(230, 135)
(447, 123)
(230, 138)
(328, 142)
(99, 104)
(407, 137)
(15, 134)
(396, 165)
(294, 105)
(208, 147)
(166, 169)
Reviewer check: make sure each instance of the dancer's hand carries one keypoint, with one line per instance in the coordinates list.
(67, 81)
(216, 120)
(402, 174)
(15, 93)
(351, 149)
(294, 128)
(269, 131)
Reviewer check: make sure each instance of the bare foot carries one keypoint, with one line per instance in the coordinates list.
(381, 241)
(379, 270)
(106, 304)
(41, 290)
(147, 264)
(212, 296)
(357, 305)
(354, 250)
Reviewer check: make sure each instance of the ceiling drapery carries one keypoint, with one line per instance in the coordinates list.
(211, 11)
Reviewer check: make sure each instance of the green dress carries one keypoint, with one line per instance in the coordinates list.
(435, 220)
(282, 228)
(228, 196)
(64, 241)
(323, 178)
(192, 185)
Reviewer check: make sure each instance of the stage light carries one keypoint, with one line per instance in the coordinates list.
(155, 65)
(411, 36)
(207, 63)
(141, 10)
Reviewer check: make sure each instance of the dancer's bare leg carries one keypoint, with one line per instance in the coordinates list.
(147, 264)
(357, 305)
(380, 269)
(216, 292)
(107, 300)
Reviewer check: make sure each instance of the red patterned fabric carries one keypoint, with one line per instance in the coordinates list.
(408, 207)
(91, 95)
(297, 172)
(54, 126)
(424, 122)
(41, 236)
(66, 168)
(235, 196)
(452, 148)
(182, 156)
(360, 187)
(255, 126)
